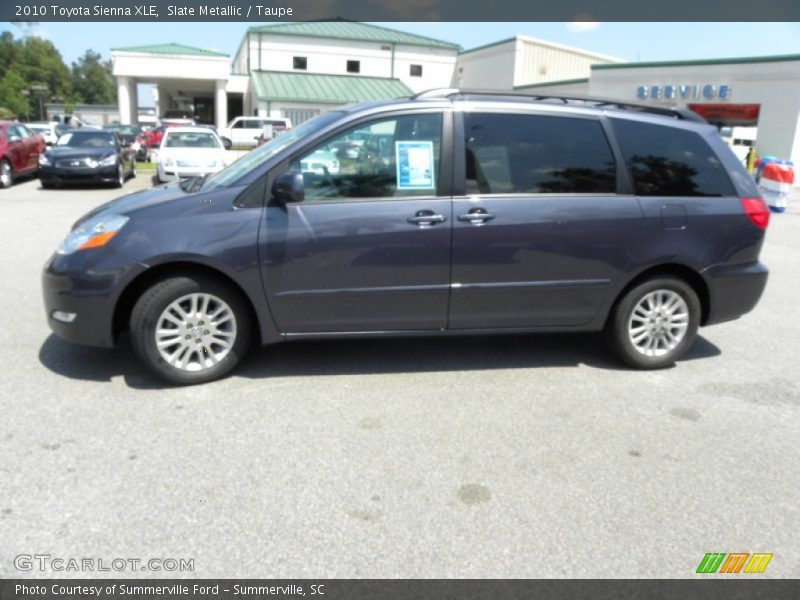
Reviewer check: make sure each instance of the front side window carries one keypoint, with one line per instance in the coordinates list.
(396, 157)
(667, 161)
(533, 154)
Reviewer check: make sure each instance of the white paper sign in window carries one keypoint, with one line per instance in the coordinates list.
(415, 166)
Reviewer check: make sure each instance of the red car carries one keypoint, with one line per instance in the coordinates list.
(19, 151)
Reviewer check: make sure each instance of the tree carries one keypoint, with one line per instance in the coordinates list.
(40, 63)
(92, 79)
(11, 97)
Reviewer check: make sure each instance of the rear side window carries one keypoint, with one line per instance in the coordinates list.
(533, 154)
(666, 161)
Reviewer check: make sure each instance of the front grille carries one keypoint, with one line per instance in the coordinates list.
(72, 163)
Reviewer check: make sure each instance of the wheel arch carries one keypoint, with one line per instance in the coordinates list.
(688, 274)
(136, 287)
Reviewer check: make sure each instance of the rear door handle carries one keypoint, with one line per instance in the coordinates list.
(426, 217)
(477, 216)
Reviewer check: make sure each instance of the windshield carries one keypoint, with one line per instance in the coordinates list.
(87, 139)
(191, 139)
(262, 154)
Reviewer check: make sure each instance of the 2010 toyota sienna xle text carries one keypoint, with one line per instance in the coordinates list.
(455, 213)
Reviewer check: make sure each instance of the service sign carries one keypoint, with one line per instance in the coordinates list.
(691, 91)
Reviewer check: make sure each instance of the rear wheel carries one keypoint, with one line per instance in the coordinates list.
(6, 174)
(190, 330)
(655, 323)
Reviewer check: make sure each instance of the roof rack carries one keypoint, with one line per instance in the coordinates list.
(589, 101)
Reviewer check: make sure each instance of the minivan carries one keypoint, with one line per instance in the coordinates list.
(490, 212)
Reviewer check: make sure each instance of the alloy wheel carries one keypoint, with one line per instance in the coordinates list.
(658, 323)
(195, 332)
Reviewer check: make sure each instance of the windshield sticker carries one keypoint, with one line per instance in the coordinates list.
(415, 165)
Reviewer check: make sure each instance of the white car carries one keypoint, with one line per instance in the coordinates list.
(245, 131)
(49, 131)
(189, 152)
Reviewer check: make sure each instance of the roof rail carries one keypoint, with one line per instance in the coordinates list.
(590, 101)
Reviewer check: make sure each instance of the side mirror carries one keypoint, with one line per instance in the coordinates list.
(226, 143)
(13, 139)
(289, 188)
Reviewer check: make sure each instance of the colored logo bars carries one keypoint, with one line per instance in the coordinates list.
(714, 562)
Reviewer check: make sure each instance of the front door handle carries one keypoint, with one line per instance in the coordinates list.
(426, 217)
(477, 216)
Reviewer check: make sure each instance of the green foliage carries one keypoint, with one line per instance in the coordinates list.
(11, 96)
(32, 60)
(92, 79)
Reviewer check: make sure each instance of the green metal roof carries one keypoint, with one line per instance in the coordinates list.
(702, 61)
(325, 89)
(170, 49)
(352, 30)
(544, 84)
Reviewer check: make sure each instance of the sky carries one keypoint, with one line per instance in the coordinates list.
(629, 41)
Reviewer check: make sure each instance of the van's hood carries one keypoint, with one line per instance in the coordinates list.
(137, 201)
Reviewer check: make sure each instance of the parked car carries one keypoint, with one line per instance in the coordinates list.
(246, 131)
(19, 152)
(132, 135)
(189, 152)
(497, 214)
(177, 118)
(49, 131)
(87, 155)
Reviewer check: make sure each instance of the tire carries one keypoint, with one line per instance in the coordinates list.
(182, 360)
(120, 176)
(6, 174)
(46, 185)
(655, 338)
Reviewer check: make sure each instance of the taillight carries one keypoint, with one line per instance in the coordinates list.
(757, 211)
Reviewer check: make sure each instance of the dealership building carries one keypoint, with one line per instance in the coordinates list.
(298, 70)
(761, 92)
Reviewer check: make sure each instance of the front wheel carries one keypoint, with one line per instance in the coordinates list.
(120, 176)
(655, 323)
(190, 330)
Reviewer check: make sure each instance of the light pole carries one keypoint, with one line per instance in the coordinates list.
(40, 89)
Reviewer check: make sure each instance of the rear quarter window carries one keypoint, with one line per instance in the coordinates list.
(667, 161)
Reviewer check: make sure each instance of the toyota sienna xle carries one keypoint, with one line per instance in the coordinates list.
(457, 213)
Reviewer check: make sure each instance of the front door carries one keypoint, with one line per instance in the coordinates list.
(368, 249)
(539, 233)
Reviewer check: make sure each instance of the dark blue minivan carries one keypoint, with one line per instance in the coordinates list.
(446, 213)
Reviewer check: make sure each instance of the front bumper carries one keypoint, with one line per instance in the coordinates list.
(71, 285)
(176, 173)
(58, 175)
(734, 290)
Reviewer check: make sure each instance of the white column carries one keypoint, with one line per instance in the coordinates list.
(134, 103)
(124, 99)
(221, 103)
(157, 101)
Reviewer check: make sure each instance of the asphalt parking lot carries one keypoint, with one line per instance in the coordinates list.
(475, 457)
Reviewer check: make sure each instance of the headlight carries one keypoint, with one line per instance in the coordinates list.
(92, 233)
(109, 160)
(44, 161)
